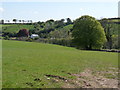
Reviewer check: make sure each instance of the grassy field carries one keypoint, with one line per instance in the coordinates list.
(26, 64)
(0, 64)
(15, 27)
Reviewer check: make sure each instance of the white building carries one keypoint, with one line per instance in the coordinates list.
(34, 36)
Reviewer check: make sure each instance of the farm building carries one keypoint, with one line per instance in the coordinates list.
(34, 36)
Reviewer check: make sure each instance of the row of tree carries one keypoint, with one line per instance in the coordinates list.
(30, 21)
(16, 21)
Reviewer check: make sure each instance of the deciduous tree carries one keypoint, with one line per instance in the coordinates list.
(88, 33)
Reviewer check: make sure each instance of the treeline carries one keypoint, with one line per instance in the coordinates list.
(111, 28)
(60, 32)
(16, 21)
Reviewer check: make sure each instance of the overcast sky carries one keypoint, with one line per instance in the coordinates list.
(42, 11)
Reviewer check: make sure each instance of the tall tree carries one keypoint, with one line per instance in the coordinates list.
(15, 20)
(20, 21)
(23, 33)
(2, 21)
(23, 21)
(69, 21)
(107, 25)
(59, 23)
(31, 21)
(88, 33)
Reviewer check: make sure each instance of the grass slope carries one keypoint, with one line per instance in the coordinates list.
(23, 62)
(15, 27)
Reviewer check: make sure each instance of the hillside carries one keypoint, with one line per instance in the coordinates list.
(15, 27)
(33, 65)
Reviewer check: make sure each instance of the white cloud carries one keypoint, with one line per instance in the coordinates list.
(1, 9)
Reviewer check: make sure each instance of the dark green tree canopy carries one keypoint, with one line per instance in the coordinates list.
(88, 33)
(15, 20)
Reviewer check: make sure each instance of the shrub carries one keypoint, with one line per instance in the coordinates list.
(6, 37)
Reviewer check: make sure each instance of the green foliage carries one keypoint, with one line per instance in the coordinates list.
(58, 41)
(59, 23)
(29, 40)
(10, 34)
(69, 21)
(63, 32)
(111, 31)
(15, 20)
(88, 33)
(60, 29)
(36, 38)
(6, 37)
(115, 42)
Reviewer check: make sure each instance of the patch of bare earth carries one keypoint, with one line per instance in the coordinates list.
(87, 79)
(95, 81)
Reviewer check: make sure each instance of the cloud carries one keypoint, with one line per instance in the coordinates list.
(1, 9)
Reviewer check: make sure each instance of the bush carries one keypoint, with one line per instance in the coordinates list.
(6, 37)
(29, 40)
(63, 42)
(36, 38)
(10, 34)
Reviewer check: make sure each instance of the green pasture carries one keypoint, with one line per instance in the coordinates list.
(15, 27)
(23, 62)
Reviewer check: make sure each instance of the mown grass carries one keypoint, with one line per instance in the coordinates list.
(25, 61)
(15, 27)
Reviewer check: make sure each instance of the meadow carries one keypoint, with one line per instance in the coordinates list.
(38, 65)
(15, 27)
